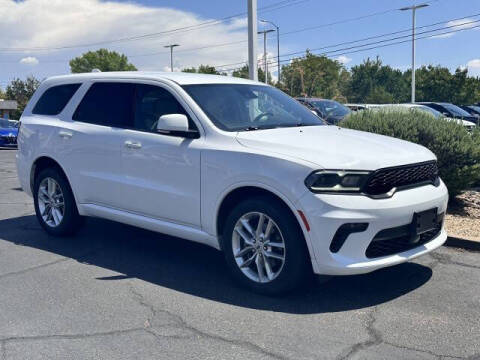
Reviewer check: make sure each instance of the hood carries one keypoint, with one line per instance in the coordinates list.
(8, 131)
(331, 147)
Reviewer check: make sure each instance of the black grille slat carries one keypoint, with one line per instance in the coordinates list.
(9, 139)
(384, 180)
(400, 244)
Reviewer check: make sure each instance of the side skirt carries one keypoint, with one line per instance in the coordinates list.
(161, 226)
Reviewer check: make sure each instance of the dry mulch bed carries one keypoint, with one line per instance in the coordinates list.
(463, 217)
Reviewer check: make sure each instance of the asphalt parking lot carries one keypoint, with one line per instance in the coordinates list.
(116, 292)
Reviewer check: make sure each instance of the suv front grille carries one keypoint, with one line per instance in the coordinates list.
(11, 140)
(384, 180)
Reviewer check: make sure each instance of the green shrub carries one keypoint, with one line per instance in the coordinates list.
(458, 151)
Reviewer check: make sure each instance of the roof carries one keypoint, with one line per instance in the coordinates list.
(178, 77)
(8, 104)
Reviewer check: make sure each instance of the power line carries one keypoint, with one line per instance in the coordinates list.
(315, 49)
(305, 29)
(289, 32)
(275, 6)
(381, 41)
(373, 37)
(365, 49)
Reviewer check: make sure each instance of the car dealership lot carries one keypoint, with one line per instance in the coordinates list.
(114, 291)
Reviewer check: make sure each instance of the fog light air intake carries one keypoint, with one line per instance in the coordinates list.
(344, 232)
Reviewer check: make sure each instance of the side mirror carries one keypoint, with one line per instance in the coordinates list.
(175, 125)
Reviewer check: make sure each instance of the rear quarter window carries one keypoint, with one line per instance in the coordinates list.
(54, 99)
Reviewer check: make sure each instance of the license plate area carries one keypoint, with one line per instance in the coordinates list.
(425, 221)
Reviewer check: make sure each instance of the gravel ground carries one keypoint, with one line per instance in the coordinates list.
(463, 220)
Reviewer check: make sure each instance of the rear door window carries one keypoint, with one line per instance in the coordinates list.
(108, 104)
(54, 99)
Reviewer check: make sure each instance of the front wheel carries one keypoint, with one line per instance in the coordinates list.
(264, 246)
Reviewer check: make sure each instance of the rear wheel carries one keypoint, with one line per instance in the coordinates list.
(264, 246)
(54, 203)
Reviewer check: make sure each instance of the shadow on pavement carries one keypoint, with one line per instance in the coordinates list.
(200, 271)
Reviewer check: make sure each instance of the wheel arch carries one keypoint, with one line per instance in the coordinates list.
(45, 162)
(234, 195)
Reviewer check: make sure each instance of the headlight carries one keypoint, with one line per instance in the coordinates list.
(336, 181)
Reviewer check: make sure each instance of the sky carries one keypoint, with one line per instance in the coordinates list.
(39, 37)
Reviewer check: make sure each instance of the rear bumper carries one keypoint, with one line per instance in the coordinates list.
(23, 172)
(325, 213)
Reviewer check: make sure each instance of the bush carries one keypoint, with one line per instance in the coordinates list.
(458, 151)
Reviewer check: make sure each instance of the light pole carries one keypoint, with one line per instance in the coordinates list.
(278, 45)
(252, 40)
(171, 54)
(265, 66)
(414, 9)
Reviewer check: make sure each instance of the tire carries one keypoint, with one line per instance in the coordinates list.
(296, 268)
(71, 220)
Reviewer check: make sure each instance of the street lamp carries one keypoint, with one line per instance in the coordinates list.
(171, 54)
(414, 9)
(278, 45)
(265, 32)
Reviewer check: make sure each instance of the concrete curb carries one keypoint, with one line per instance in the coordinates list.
(463, 244)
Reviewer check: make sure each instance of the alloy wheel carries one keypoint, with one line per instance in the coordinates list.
(51, 202)
(258, 247)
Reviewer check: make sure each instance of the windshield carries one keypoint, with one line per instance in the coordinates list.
(475, 108)
(237, 107)
(6, 124)
(455, 110)
(434, 112)
(331, 108)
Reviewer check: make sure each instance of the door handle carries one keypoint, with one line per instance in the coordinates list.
(133, 145)
(65, 134)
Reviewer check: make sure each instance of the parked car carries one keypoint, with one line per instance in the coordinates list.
(359, 107)
(451, 111)
(330, 110)
(355, 107)
(8, 134)
(473, 110)
(420, 107)
(231, 163)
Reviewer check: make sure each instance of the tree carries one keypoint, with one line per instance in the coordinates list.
(101, 59)
(377, 83)
(203, 69)
(243, 73)
(21, 91)
(437, 83)
(314, 76)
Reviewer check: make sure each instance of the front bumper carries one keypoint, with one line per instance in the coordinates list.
(325, 213)
(8, 141)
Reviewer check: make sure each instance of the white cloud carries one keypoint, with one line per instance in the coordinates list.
(73, 22)
(342, 59)
(29, 60)
(455, 25)
(473, 67)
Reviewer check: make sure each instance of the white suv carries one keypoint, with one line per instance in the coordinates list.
(232, 164)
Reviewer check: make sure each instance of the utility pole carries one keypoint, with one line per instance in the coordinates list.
(414, 9)
(252, 40)
(171, 54)
(278, 46)
(265, 64)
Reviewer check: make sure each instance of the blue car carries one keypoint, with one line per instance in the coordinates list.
(8, 134)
